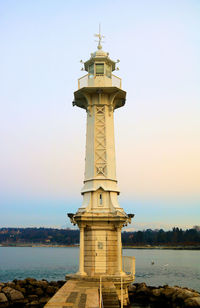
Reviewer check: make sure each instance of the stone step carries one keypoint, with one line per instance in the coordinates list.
(110, 303)
(108, 292)
(113, 296)
(109, 295)
(110, 299)
(114, 305)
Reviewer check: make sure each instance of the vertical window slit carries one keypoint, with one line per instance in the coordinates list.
(100, 199)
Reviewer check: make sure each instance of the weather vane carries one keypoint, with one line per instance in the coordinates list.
(100, 38)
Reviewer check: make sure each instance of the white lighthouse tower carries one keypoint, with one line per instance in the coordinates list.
(100, 218)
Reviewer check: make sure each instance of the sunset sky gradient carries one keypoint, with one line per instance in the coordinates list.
(157, 132)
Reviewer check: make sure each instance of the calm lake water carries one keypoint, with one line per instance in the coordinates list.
(172, 267)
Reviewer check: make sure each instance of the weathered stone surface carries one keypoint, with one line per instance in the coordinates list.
(44, 300)
(11, 284)
(28, 292)
(19, 288)
(6, 290)
(60, 283)
(132, 288)
(15, 295)
(169, 291)
(42, 284)
(22, 283)
(31, 280)
(50, 290)
(184, 294)
(53, 283)
(34, 304)
(3, 299)
(39, 291)
(2, 285)
(173, 297)
(157, 292)
(175, 294)
(142, 289)
(192, 302)
(140, 285)
(32, 297)
(29, 289)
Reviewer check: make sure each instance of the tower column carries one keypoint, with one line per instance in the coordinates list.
(119, 250)
(81, 253)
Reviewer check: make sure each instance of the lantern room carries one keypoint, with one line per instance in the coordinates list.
(99, 68)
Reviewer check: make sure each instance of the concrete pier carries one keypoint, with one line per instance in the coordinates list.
(84, 292)
(76, 294)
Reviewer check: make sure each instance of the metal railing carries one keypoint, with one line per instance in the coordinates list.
(128, 265)
(116, 81)
(88, 81)
(100, 294)
(83, 82)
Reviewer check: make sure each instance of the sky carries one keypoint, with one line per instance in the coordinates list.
(157, 132)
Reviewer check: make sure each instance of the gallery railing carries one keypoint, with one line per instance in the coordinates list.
(100, 80)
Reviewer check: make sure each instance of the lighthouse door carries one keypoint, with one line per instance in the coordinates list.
(100, 251)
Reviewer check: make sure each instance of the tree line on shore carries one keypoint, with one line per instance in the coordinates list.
(173, 237)
(50, 236)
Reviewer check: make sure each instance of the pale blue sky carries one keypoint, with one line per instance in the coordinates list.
(157, 132)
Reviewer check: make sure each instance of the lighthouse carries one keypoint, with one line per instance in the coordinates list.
(100, 218)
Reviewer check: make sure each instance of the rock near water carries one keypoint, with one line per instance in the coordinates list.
(164, 296)
(28, 292)
(36, 293)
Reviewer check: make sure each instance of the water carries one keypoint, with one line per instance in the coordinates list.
(172, 267)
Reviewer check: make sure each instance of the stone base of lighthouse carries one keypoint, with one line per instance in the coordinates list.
(101, 250)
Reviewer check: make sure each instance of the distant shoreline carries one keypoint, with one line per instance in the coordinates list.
(164, 247)
(37, 245)
(124, 247)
